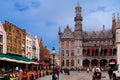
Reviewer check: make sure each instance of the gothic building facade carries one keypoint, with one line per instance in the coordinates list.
(84, 49)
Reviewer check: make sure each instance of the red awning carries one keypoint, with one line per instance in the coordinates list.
(37, 63)
(44, 64)
(40, 63)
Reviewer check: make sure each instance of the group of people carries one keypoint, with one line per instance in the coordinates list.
(97, 73)
(67, 71)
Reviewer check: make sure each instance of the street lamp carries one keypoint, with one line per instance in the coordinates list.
(53, 55)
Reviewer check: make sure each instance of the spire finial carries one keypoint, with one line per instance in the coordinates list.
(113, 16)
(103, 27)
(59, 29)
(117, 16)
(78, 3)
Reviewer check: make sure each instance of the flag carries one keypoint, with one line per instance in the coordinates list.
(108, 50)
(90, 49)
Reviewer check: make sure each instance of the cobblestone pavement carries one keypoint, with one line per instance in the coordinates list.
(74, 75)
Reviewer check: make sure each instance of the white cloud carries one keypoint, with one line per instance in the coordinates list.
(43, 17)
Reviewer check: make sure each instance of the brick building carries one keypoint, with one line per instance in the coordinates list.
(16, 39)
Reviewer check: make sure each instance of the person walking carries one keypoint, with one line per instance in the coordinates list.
(97, 75)
(110, 72)
(54, 76)
(93, 71)
(68, 70)
(88, 70)
(78, 69)
(56, 71)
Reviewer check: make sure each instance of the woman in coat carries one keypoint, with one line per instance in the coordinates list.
(97, 74)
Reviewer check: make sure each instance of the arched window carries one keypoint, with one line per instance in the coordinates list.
(105, 52)
(63, 63)
(72, 43)
(72, 62)
(62, 53)
(114, 52)
(67, 52)
(72, 52)
(84, 52)
(67, 62)
(67, 44)
(62, 44)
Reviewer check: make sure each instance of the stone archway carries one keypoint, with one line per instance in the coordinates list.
(103, 64)
(112, 63)
(114, 52)
(86, 63)
(84, 52)
(94, 62)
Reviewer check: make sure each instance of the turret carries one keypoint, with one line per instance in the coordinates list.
(117, 36)
(78, 18)
(78, 22)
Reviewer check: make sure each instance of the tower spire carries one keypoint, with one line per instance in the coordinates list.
(114, 20)
(78, 18)
(59, 30)
(78, 21)
(117, 16)
(78, 3)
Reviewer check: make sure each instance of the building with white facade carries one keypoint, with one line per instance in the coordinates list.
(37, 52)
(35, 49)
(3, 48)
(29, 43)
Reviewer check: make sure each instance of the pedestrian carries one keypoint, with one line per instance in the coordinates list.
(93, 71)
(110, 72)
(17, 69)
(78, 69)
(28, 75)
(61, 70)
(56, 71)
(88, 70)
(20, 75)
(54, 76)
(97, 74)
(68, 70)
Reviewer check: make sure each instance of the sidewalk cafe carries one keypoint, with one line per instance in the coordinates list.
(15, 67)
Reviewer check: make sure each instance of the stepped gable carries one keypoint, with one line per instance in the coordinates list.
(67, 33)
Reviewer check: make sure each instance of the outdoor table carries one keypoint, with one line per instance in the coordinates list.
(7, 77)
(12, 78)
(2, 78)
(24, 77)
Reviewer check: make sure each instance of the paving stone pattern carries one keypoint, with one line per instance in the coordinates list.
(74, 75)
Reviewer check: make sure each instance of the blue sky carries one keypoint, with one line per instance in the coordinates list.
(44, 17)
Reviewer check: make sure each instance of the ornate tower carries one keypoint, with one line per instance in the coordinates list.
(113, 23)
(78, 18)
(78, 22)
(78, 36)
(117, 28)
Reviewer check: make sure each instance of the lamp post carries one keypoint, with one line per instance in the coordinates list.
(53, 55)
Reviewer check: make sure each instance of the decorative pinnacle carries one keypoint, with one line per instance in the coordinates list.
(117, 16)
(103, 27)
(113, 16)
(78, 3)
